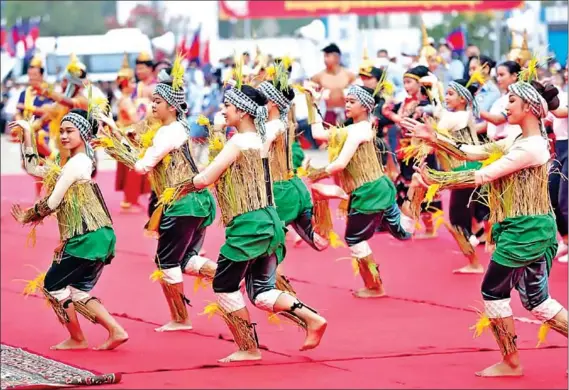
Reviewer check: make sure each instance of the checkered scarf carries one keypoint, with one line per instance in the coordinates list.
(175, 98)
(363, 96)
(274, 95)
(531, 96)
(245, 103)
(85, 130)
(466, 95)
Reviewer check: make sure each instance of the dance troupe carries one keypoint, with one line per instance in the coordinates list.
(256, 179)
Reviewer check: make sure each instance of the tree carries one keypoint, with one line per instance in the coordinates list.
(61, 18)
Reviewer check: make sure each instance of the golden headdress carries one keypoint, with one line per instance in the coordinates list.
(75, 67)
(427, 50)
(125, 72)
(520, 54)
(367, 63)
(144, 57)
(36, 62)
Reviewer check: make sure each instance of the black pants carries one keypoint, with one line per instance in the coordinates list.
(73, 272)
(558, 186)
(180, 239)
(361, 227)
(302, 225)
(460, 212)
(152, 201)
(260, 275)
(531, 282)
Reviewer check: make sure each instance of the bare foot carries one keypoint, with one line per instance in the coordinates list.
(370, 293)
(426, 236)
(314, 332)
(470, 269)
(202, 252)
(242, 356)
(174, 326)
(115, 339)
(297, 241)
(71, 344)
(501, 369)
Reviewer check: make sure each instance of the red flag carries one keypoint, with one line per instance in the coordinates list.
(3, 35)
(195, 47)
(205, 56)
(182, 47)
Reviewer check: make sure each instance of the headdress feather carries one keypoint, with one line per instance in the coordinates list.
(384, 86)
(178, 72)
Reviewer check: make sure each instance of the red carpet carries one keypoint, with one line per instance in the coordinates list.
(418, 337)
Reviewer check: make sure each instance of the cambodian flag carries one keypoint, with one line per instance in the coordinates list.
(457, 39)
(3, 35)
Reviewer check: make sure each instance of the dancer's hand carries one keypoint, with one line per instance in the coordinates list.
(419, 130)
(422, 175)
(106, 119)
(18, 213)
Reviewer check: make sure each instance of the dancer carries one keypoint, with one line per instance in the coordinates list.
(32, 104)
(291, 197)
(85, 228)
(127, 180)
(458, 121)
(180, 219)
(255, 235)
(355, 165)
(416, 101)
(520, 211)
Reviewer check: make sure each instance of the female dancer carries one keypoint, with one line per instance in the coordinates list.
(417, 99)
(292, 199)
(520, 211)
(128, 181)
(459, 121)
(254, 233)
(85, 228)
(180, 220)
(354, 163)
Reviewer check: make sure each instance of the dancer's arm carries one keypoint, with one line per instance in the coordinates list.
(318, 131)
(76, 168)
(354, 139)
(220, 164)
(167, 138)
(28, 150)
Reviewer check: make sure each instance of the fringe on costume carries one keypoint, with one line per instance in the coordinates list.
(244, 332)
(176, 301)
(57, 307)
(283, 284)
(506, 341)
(82, 308)
(369, 271)
(463, 243)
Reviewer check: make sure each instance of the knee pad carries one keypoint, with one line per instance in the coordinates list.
(546, 310)
(173, 275)
(498, 309)
(231, 302)
(266, 300)
(78, 295)
(360, 250)
(61, 295)
(194, 265)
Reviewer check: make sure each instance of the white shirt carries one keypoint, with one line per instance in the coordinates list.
(521, 153)
(77, 168)
(166, 139)
(300, 107)
(559, 124)
(274, 128)
(504, 130)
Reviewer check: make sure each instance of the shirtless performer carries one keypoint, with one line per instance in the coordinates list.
(333, 80)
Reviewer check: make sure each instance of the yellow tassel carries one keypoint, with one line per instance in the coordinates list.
(177, 73)
(154, 223)
(273, 319)
(355, 267)
(33, 285)
(431, 192)
(31, 238)
(210, 310)
(542, 333)
(199, 283)
(482, 323)
(157, 275)
(494, 155)
(167, 196)
(373, 270)
(335, 240)
(301, 172)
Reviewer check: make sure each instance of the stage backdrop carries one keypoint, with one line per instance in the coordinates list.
(306, 9)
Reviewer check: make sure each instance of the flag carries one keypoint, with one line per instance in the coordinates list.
(194, 52)
(205, 54)
(34, 32)
(457, 39)
(3, 35)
